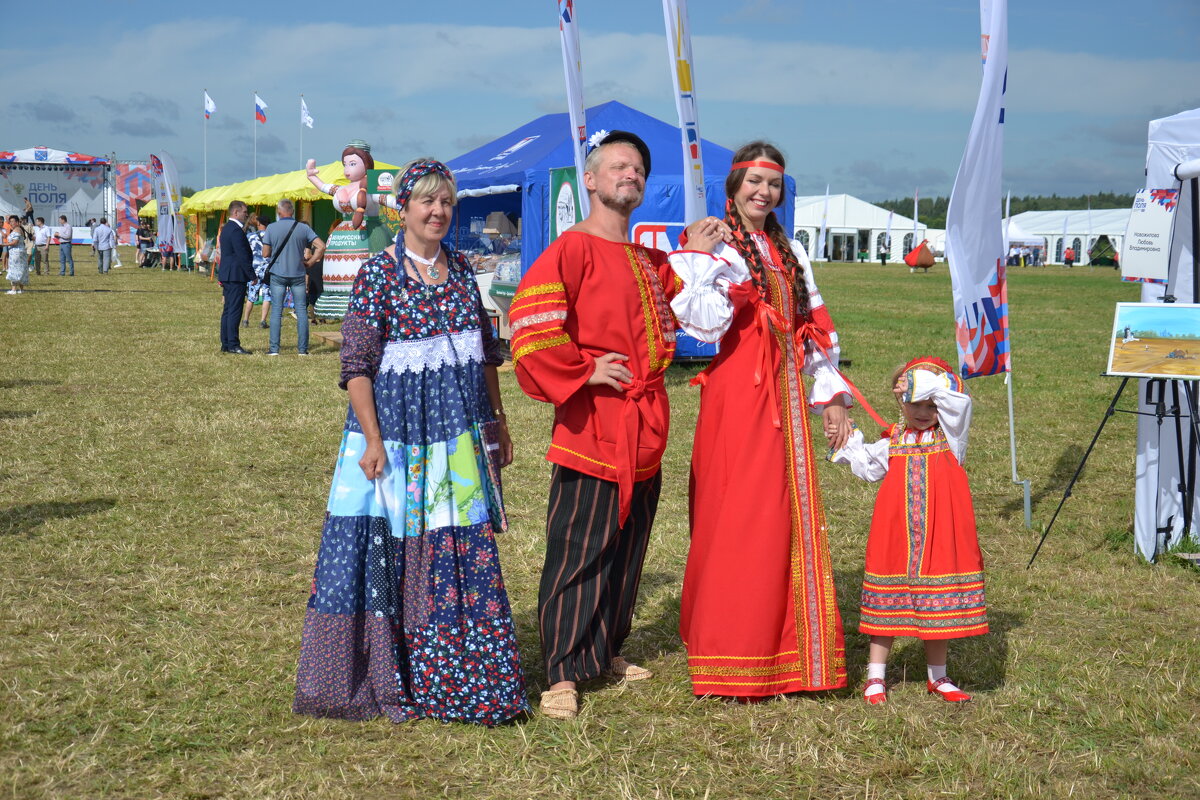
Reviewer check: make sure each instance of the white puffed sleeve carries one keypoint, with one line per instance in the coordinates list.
(702, 306)
(954, 408)
(867, 461)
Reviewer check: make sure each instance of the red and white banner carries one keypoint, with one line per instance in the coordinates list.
(974, 231)
(679, 51)
(568, 33)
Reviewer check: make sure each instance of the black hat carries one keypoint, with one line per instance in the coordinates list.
(629, 138)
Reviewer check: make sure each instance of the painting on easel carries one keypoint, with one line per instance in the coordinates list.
(1156, 340)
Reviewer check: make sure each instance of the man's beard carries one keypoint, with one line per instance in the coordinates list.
(622, 201)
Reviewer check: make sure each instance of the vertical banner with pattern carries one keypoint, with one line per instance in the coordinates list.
(974, 233)
(568, 33)
(171, 235)
(132, 182)
(679, 51)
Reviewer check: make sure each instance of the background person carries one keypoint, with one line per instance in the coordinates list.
(104, 239)
(759, 614)
(430, 633)
(235, 271)
(64, 232)
(18, 263)
(290, 237)
(41, 246)
(258, 291)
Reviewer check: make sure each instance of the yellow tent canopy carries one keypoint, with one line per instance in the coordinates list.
(149, 211)
(269, 189)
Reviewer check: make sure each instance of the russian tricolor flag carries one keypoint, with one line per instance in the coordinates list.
(260, 109)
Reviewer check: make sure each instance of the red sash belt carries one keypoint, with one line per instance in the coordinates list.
(628, 439)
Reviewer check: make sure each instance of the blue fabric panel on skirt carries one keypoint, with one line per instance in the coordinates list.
(424, 407)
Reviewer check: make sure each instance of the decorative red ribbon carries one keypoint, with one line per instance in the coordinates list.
(763, 164)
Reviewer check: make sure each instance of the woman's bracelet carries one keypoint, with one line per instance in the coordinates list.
(498, 413)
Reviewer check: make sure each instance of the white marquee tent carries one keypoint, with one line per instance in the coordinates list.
(853, 225)
(1081, 227)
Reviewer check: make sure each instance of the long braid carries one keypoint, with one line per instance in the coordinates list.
(746, 248)
(784, 248)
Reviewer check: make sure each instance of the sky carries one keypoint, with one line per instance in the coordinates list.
(872, 97)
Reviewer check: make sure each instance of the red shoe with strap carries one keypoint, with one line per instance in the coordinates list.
(949, 695)
(877, 697)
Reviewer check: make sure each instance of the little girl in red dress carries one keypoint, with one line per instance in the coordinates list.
(924, 571)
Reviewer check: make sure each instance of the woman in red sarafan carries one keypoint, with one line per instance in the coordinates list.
(759, 615)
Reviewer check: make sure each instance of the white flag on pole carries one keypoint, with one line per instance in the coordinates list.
(568, 33)
(914, 239)
(679, 51)
(974, 236)
(210, 107)
(305, 119)
(820, 251)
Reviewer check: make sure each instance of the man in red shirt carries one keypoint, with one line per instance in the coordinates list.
(593, 333)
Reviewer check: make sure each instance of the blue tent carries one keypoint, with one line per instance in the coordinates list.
(512, 174)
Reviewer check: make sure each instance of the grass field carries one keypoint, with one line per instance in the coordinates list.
(161, 505)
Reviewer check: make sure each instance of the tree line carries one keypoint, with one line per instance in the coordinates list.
(932, 210)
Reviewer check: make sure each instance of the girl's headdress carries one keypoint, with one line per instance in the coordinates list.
(414, 173)
(938, 367)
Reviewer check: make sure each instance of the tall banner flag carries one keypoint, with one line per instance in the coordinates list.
(820, 252)
(887, 237)
(210, 107)
(568, 33)
(974, 236)
(679, 51)
(165, 179)
(915, 241)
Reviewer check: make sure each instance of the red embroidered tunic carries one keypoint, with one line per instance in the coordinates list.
(584, 297)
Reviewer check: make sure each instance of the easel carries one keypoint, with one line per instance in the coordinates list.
(1189, 171)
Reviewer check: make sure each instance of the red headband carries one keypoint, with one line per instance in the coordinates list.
(763, 164)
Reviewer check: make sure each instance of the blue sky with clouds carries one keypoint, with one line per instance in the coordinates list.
(873, 97)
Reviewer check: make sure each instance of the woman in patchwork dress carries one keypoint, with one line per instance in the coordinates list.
(408, 615)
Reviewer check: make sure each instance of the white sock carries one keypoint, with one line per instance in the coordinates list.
(875, 671)
(936, 672)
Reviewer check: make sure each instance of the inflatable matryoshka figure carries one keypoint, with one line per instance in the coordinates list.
(360, 233)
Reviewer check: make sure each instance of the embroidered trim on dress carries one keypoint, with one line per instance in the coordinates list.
(533, 319)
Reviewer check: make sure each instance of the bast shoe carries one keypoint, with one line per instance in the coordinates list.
(560, 704)
(945, 689)
(620, 668)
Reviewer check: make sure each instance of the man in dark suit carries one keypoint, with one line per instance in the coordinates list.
(235, 271)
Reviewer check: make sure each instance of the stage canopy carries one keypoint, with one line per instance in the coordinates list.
(46, 155)
(512, 173)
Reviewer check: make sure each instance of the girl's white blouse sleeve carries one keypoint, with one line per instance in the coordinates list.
(867, 461)
(703, 307)
(954, 409)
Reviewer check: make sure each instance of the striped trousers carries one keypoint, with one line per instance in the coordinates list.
(593, 566)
